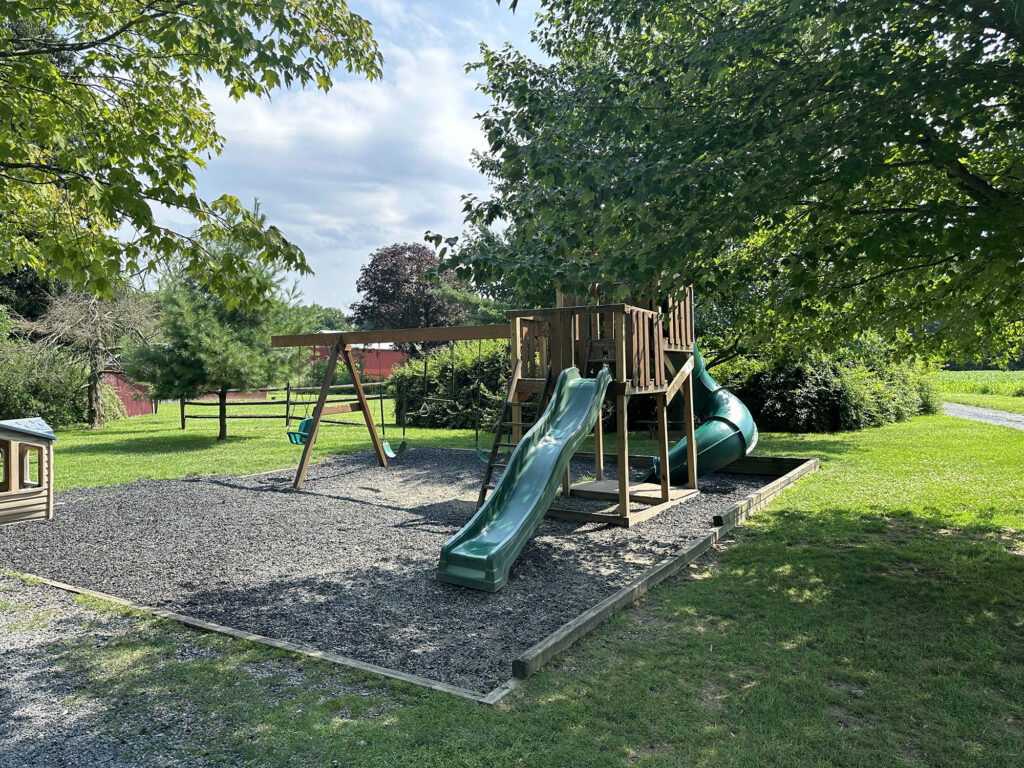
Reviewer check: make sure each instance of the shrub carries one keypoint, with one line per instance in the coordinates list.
(490, 369)
(113, 407)
(41, 382)
(829, 393)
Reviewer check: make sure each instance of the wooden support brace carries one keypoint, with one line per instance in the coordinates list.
(307, 448)
(680, 378)
(362, 405)
(330, 410)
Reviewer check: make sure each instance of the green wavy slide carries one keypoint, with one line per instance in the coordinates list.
(727, 431)
(481, 554)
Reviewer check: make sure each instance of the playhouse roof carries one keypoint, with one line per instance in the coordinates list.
(33, 427)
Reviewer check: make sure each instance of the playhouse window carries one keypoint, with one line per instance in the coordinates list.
(31, 466)
(5, 469)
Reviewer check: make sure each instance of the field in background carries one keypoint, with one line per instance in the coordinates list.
(1006, 383)
(999, 390)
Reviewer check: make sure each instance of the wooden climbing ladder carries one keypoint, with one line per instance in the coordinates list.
(512, 425)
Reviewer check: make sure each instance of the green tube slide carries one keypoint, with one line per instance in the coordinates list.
(728, 430)
(481, 554)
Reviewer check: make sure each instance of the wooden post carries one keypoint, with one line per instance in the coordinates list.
(307, 449)
(361, 396)
(598, 448)
(49, 481)
(620, 411)
(517, 357)
(183, 413)
(691, 443)
(662, 406)
(288, 404)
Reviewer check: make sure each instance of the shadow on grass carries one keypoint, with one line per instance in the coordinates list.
(825, 447)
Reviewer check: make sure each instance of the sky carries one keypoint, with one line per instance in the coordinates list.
(369, 163)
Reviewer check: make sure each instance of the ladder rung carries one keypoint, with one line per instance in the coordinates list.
(507, 445)
(499, 464)
(490, 487)
(517, 423)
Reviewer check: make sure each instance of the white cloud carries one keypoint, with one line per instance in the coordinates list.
(369, 163)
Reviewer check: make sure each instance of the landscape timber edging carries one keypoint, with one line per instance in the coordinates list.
(491, 697)
(528, 662)
(535, 657)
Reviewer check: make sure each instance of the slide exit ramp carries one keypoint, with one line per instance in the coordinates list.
(481, 554)
(727, 432)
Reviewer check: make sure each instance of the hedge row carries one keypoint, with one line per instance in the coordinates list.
(830, 393)
(478, 389)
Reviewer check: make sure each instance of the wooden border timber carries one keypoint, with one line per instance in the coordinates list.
(395, 336)
(491, 697)
(528, 662)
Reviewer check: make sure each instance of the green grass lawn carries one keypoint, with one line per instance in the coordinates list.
(998, 402)
(156, 447)
(872, 616)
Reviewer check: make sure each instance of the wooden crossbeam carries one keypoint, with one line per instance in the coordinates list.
(395, 336)
(679, 379)
(330, 410)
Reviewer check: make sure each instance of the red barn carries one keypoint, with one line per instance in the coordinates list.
(375, 361)
(136, 401)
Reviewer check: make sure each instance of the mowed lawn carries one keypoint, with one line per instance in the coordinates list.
(872, 616)
(156, 446)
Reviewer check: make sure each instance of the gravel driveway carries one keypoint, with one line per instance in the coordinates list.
(988, 415)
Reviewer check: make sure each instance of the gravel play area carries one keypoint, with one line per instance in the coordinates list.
(347, 564)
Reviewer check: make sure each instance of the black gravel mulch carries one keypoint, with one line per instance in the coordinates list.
(347, 564)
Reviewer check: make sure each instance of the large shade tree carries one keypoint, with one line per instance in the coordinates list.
(843, 165)
(104, 121)
(399, 290)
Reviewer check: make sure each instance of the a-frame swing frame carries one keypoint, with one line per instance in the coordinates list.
(341, 348)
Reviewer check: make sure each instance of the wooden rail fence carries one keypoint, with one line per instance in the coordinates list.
(294, 406)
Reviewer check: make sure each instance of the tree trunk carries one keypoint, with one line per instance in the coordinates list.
(97, 417)
(223, 414)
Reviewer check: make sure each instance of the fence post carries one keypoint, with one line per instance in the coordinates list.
(288, 404)
(183, 413)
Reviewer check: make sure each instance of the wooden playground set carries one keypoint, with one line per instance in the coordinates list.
(565, 363)
(648, 350)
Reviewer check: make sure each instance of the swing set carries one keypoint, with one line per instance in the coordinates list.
(340, 346)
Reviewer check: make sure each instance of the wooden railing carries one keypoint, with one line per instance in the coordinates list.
(679, 322)
(589, 337)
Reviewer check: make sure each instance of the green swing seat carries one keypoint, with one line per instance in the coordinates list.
(301, 435)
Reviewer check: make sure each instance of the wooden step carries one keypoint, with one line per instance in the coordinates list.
(530, 386)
